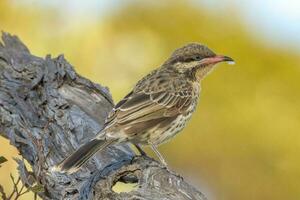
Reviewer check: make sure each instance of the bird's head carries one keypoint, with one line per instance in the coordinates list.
(196, 60)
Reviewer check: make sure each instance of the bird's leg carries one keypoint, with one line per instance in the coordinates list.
(139, 148)
(162, 160)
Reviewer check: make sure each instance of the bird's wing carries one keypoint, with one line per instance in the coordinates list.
(156, 99)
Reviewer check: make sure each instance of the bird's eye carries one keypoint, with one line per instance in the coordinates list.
(193, 58)
(197, 57)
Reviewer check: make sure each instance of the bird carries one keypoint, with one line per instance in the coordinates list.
(156, 109)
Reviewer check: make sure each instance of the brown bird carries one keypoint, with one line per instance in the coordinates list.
(157, 108)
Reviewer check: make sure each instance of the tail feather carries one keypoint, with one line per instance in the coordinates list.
(82, 155)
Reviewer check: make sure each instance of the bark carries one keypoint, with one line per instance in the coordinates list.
(47, 110)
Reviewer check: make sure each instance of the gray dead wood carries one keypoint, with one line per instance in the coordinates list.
(47, 111)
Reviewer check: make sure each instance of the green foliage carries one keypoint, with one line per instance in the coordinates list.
(2, 160)
(37, 188)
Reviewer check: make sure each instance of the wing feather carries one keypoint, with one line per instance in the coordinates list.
(155, 98)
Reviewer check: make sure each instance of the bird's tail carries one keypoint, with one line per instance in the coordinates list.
(82, 155)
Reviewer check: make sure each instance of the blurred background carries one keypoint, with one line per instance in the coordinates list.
(243, 142)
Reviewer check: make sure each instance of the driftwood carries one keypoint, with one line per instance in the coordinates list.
(47, 111)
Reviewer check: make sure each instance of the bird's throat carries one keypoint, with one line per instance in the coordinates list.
(201, 72)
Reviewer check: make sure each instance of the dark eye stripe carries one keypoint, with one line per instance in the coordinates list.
(187, 59)
(194, 58)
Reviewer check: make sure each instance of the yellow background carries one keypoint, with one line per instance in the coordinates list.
(242, 143)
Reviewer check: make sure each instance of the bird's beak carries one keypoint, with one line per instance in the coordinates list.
(216, 59)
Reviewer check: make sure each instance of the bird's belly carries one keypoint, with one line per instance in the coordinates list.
(160, 136)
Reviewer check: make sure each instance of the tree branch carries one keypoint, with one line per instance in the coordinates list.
(47, 111)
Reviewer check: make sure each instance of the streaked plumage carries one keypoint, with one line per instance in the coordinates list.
(157, 108)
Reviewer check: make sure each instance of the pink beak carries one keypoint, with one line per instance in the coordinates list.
(217, 59)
